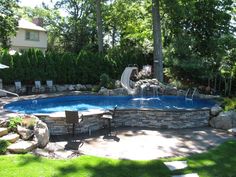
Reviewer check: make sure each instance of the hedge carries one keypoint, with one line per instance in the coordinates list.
(68, 68)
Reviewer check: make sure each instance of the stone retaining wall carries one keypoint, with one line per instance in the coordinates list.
(174, 119)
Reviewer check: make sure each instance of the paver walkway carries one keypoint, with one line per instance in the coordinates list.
(141, 144)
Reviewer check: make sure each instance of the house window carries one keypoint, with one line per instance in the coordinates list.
(32, 35)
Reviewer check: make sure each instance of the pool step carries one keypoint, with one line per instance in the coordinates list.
(3, 131)
(12, 138)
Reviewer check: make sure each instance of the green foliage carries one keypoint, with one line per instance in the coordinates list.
(13, 122)
(68, 68)
(3, 146)
(104, 80)
(8, 21)
(229, 104)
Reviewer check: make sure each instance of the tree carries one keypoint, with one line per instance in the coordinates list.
(99, 25)
(8, 21)
(157, 53)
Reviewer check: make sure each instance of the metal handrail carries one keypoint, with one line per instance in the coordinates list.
(11, 93)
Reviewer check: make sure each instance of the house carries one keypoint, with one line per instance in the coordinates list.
(29, 35)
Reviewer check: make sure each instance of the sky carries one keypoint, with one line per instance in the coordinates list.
(33, 3)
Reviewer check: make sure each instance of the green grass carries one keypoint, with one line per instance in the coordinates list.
(219, 162)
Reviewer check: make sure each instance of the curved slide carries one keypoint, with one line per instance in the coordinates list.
(125, 79)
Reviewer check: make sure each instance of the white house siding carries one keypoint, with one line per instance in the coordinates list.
(19, 42)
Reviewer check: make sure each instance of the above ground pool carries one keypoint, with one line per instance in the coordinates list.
(87, 102)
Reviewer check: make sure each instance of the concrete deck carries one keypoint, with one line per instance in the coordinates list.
(143, 144)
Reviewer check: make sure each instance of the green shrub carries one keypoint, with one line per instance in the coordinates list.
(229, 104)
(104, 80)
(3, 146)
(14, 121)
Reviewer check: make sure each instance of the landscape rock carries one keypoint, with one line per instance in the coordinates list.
(71, 87)
(80, 87)
(41, 133)
(25, 133)
(104, 91)
(3, 131)
(215, 110)
(232, 131)
(10, 137)
(61, 88)
(117, 84)
(22, 146)
(225, 120)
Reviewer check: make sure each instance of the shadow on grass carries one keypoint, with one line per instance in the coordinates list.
(123, 168)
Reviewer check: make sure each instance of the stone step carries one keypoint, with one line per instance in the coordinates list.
(22, 146)
(187, 175)
(3, 131)
(176, 165)
(12, 138)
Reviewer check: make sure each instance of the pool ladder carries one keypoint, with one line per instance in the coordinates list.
(189, 95)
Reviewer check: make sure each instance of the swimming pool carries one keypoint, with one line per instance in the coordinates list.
(88, 102)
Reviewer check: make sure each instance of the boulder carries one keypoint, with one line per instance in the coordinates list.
(117, 84)
(22, 146)
(41, 133)
(80, 87)
(232, 131)
(225, 120)
(104, 91)
(24, 133)
(3, 131)
(10, 137)
(215, 110)
(71, 87)
(61, 88)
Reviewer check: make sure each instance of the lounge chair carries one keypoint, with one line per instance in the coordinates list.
(37, 85)
(72, 118)
(18, 87)
(49, 85)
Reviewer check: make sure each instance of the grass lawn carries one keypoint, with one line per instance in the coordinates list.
(219, 162)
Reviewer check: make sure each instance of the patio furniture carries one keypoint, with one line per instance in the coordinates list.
(108, 116)
(49, 85)
(18, 86)
(72, 118)
(37, 85)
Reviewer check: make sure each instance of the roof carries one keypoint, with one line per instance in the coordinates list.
(29, 25)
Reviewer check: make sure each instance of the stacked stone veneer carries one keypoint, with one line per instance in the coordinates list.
(175, 119)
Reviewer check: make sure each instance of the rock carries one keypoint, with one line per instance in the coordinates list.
(117, 84)
(3, 131)
(80, 87)
(170, 91)
(89, 86)
(103, 91)
(41, 133)
(63, 154)
(119, 91)
(24, 132)
(225, 120)
(61, 88)
(10, 137)
(232, 131)
(22, 146)
(71, 87)
(216, 110)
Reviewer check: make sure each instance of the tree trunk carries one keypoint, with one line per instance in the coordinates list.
(157, 53)
(99, 25)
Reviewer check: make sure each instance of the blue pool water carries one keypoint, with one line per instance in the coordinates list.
(88, 102)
